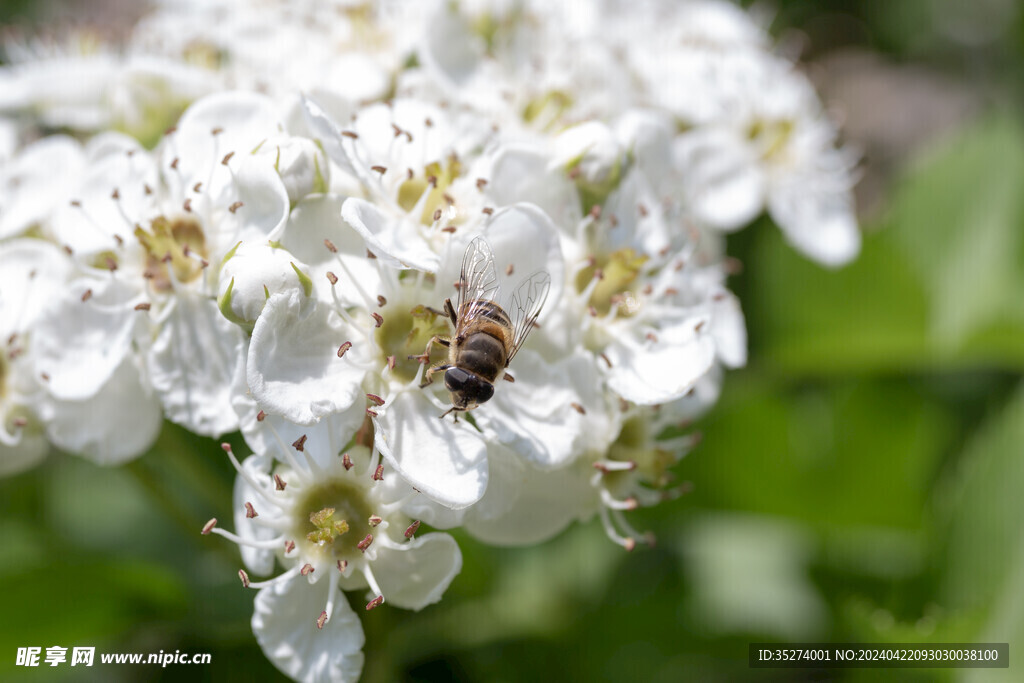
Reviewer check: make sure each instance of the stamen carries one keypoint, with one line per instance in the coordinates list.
(609, 530)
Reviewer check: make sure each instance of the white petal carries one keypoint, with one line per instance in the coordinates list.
(544, 503)
(315, 219)
(37, 181)
(441, 459)
(729, 329)
(649, 372)
(28, 452)
(817, 220)
(260, 561)
(116, 425)
(284, 623)
(418, 574)
(535, 415)
(294, 370)
(725, 184)
(79, 344)
(192, 363)
(33, 275)
(396, 240)
(520, 174)
(264, 208)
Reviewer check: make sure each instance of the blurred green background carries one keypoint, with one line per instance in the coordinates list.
(861, 480)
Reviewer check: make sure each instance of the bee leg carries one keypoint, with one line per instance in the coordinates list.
(445, 414)
(425, 356)
(450, 310)
(429, 378)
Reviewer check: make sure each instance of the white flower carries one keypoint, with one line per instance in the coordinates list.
(772, 148)
(327, 514)
(36, 181)
(151, 231)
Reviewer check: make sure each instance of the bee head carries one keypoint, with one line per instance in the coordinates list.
(468, 390)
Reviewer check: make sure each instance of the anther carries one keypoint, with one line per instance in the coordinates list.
(119, 240)
(371, 413)
(20, 422)
(642, 209)
(592, 311)
(350, 134)
(598, 274)
(250, 511)
(330, 246)
(289, 546)
(171, 130)
(208, 527)
(432, 180)
(217, 131)
(374, 603)
(629, 544)
(437, 214)
(671, 291)
(300, 443)
(428, 122)
(370, 254)
(343, 348)
(379, 169)
(226, 447)
(174, 164)
(44, 376)
(147, 189)
(412, 528)
(606, 359)
(187, 205)
(378, 474)
(613, 220)
(375, 520)
(651, 337)
(144, 306)
(648, 289)
(115, 194)
(448, 228)
(699, 326)
(448, 198)
(307, 569)
(480, 183)
(227, 158)
(86, 295)
(321, 620)
(235, 206)
(244, 577)
(342, 565)
(279, 483)
(381, 301)
(375, 399)
(365, 543)
(595, 211)
(578, 408)
(261, 416)
(346, 462)
(732, 266)
(487, 210)
(510, 269)
(409, 174)
(398, 131)
(76, 203)
(332, 278)
(377, 318)
(718, 297)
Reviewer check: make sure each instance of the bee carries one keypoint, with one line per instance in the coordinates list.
(487, 336)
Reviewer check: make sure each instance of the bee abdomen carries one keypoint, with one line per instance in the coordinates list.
(482, 354)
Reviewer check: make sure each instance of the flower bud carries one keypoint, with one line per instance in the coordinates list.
(251, 273)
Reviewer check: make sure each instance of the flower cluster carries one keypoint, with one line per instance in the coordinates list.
(278, 261)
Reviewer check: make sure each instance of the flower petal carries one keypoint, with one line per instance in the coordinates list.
(442, 459)
(816, 219)
(725, 184)
(260, 561)
(417, 573)
(395, 240)
(284, 621)
(294, 369)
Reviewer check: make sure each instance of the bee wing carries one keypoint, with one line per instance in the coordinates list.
(478, 282)
(525, 305)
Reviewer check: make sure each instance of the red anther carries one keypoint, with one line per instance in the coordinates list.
(289, 546)
(250, 511)
(143, 306)
(279, 483)
(261, 416)
(671, 291)
(718, 297)
(699, 326)
(226, 447)
(377, 318)
(365, 543)
(629, 544)
(370, 254)
(330, 246)
(592, 311)
(350, 134)
(391, 362)
(374, 398)
(374, 603)
(197, 187)
(449, 229)
(332, 278)
(379, 169)
(346, 462)
(227, 158)
(342, 565)
(398, 131)
(86, 295)
(244, 577)
(510, 269)
(208, 527)
(437, 215)
(307, 569)
(321, 620)
(578, 408)
(174, 163)
(651, 337)
(411, 530)
(375, 520)
(381, 301)
(235, 206)
(599, 274)
(343, 348)
(595, 211)
(480, 183)
(648, 289)
(378, 474)
(371, 413)
(300, 443)
(631, 503)
(487, 210)
(171, 130)
(432, 180)
(44, 376)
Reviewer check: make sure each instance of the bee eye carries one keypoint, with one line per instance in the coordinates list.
(455, 379)
(484, 391)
